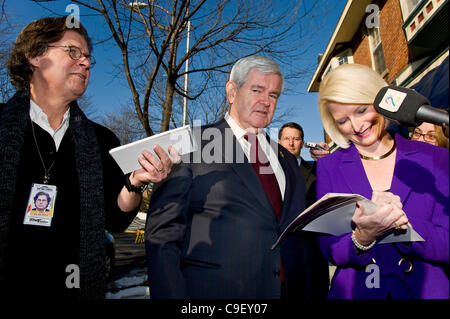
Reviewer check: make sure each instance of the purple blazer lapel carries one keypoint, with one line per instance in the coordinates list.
(353, 174)
(403, 180)
(404, 173)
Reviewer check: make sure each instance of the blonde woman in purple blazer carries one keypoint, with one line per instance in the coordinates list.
(408, 180)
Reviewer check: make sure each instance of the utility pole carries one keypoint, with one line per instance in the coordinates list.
(185, 122)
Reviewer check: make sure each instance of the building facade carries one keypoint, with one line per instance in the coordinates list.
(401, 39)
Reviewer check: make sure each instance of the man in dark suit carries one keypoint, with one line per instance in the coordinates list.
(291, 137)
(211, 224)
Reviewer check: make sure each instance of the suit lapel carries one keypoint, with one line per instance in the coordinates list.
(404, 178)
(352, 172)
(306, 172)
(356, 178)
(290, 186)
(233, 155)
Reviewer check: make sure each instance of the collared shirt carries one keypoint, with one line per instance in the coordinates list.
(40, 118)
(265, 146)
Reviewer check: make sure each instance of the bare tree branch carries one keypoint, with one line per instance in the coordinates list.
(151, 36)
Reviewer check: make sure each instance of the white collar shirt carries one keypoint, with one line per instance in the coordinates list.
(265, 146)
(40, 118)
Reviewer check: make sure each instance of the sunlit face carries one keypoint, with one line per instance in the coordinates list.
(292, 140)
(41, 202)
(358, 123)
(425, 133)
(254, 103)
(57, 72)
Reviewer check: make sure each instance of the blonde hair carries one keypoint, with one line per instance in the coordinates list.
(348, 84)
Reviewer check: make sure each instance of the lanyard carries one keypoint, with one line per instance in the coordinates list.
(46, 171)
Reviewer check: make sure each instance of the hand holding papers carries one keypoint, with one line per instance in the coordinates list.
(127, 155)
(332, 214)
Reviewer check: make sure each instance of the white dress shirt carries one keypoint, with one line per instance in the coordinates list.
(265, 146)
(40, 118)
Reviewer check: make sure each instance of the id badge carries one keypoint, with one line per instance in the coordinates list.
(41, 205)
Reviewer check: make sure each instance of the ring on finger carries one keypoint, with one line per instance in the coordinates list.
(160, 170)
(396, 225)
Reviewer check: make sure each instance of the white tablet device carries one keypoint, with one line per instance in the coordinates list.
(126, 156)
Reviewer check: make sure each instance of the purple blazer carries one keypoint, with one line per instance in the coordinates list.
(421, 179)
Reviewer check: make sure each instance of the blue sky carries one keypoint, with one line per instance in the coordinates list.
(108, 93)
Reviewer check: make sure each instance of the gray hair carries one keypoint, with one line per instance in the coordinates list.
(241, 69)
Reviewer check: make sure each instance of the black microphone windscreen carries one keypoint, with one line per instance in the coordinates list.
(400, 104)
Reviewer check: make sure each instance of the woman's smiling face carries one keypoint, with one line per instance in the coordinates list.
(359, 123)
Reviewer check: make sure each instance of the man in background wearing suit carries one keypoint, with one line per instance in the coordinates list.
(291, 136)
(211, 224)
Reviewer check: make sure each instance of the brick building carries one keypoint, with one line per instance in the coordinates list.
(401, 39)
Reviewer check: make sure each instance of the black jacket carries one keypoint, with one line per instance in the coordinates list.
(35, 258)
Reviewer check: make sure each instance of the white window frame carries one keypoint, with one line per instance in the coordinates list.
(374, 47)
(406, 10)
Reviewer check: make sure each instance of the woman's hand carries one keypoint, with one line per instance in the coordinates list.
(383, 198)
(388, 217)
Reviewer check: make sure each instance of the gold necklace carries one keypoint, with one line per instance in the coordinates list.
(376, 158)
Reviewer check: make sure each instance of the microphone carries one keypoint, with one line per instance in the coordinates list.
(407, 107)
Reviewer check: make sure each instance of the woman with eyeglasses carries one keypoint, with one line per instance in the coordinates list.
(431, 134)
(47, 143)
(409, 182)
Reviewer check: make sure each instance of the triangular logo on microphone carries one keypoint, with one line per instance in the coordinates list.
(392, 100)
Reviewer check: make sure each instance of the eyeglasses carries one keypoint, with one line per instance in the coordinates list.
(289, 139)
(75, 53)
(426, 137)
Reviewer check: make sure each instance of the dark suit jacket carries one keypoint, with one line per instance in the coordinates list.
(210, 228)
(308, 173)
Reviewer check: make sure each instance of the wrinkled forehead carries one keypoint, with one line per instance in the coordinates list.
(75, 39)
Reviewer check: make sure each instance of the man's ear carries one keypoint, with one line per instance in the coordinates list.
(231, 91)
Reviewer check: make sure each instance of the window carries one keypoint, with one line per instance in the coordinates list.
(343, 59)
(377, 50)
(328, 71)
(408, 6)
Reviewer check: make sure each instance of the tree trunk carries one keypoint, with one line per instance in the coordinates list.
(167, 106)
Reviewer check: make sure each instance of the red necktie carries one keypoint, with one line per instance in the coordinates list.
(265, 173)
(269, 182)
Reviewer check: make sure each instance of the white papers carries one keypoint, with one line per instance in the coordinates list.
(332, 214)
(127, 155)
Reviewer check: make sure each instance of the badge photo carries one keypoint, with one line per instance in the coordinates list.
(41, 205)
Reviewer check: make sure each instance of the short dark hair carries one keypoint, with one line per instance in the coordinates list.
(33, 41)
(40, 194)
(291, 125)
